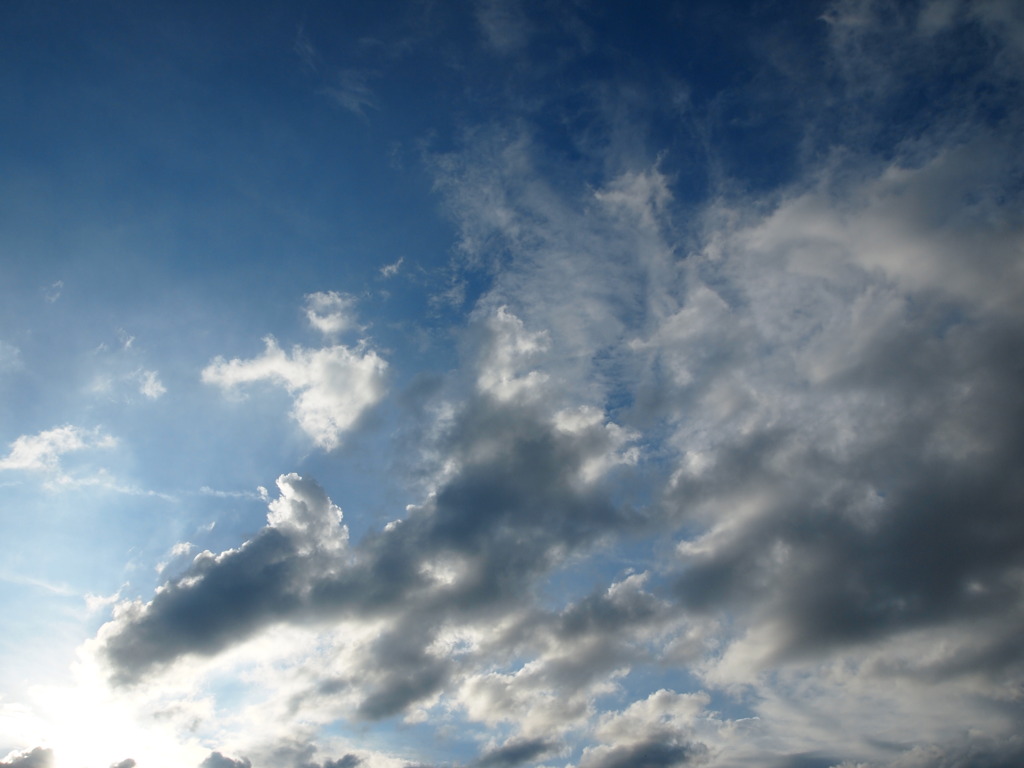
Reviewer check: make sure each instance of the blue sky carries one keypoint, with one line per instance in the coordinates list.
(503, 382)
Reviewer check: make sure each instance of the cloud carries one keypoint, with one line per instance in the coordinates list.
(330, 312)
(509, 345)
(390, 270)
(42, 452)
(812, 431)
(95, 603)
(346, 761)
(217, 760)
(978, 753)
(884, 352)
(332, 386)
(181, 549)
(832, 371)
(514, 752)
(37, 758)
(150, 385)
(305, 514)
(539, 485)
(223, 598)
(910, 224)
(655, 733)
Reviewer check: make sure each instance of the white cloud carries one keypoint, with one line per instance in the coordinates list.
(910, 225)
(179, 550)
(97, 603)
(304, 512)
(330, 312)
(332, 386)
(150, 385)
(390, 270)
(509, 347)
(44, 450)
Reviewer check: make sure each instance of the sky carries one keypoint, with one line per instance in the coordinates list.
(496, 383)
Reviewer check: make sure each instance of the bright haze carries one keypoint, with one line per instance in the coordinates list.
(497, 383)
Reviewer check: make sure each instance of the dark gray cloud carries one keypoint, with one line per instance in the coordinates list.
(609, 613)
(37, 758)
(505, 519)
(650, 754)
(346, 761)
(302, 754)
(127, 763)
(943, 543)
(514, 753)
(807, 760)
(404, 672)
(217, 760)
(978, 752)
(231, 597)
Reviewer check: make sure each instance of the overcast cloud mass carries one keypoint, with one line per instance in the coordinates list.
(502, 383)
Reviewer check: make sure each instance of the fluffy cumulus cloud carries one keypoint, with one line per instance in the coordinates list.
(727, 483)
(332, 386)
